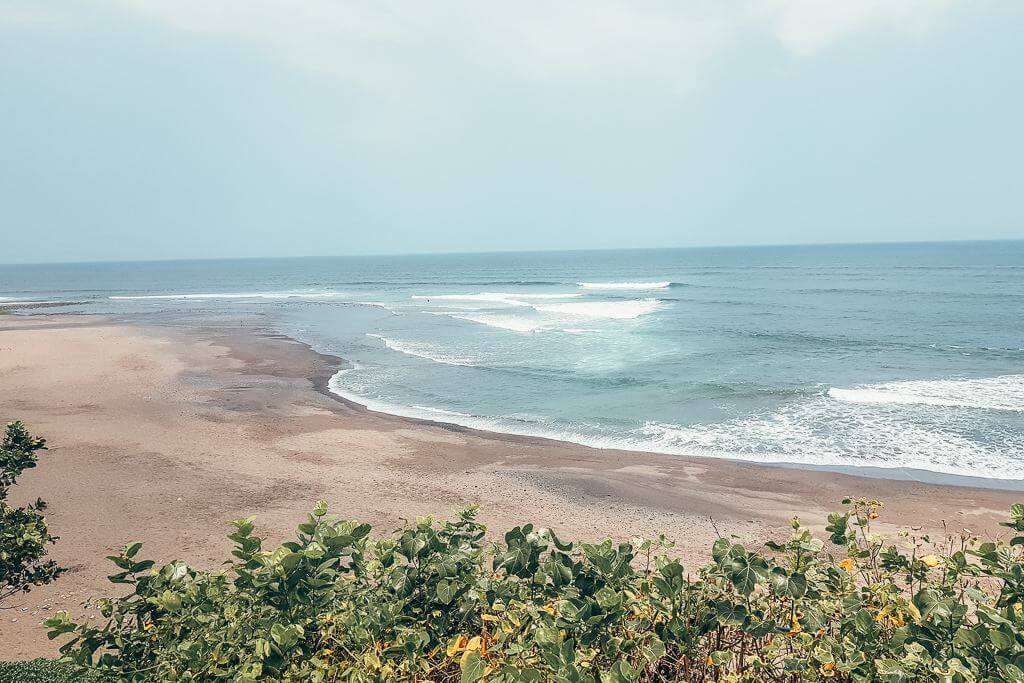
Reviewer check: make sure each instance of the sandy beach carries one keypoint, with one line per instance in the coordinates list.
(163, 433)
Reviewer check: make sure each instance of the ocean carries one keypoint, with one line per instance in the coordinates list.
(906, 356)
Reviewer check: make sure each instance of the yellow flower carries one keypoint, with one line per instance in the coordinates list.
(328, 652)
(828, 670)
(930, 560)
(847, 565)
(147, 627)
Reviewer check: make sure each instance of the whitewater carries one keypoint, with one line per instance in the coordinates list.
(875, 358)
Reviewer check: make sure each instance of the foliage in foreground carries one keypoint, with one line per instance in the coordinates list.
(24, 536)
(44, 671)
(435, 602)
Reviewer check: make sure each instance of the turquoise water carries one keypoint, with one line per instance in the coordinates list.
(876, 356)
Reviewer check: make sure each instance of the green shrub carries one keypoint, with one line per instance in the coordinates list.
(24, 536)
(436, 602)
(44, 671)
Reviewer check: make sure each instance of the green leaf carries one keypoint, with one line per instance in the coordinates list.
(863, 621)
(747, 572)
(472, 668)
(621, 672)
(729, 614)
(784, 583)
(838, 527)
(888, 667)
(720, 657)
(445, 592)
(654, 651)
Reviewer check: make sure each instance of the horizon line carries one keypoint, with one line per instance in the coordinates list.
(761, 245)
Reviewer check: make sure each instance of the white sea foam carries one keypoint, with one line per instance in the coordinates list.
(618, 310)
(813, 431)
(489, 297)
(624, 285)
(516, 323)
(518, 425)
(1005, 392)
(202, 296)
(424, 351)
(34, 303)
(441, 411)
(501, 298)
(820, 430)
(376, 304)
(558, 315)
(337, 386)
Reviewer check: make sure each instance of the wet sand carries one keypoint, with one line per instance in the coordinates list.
(163, 433)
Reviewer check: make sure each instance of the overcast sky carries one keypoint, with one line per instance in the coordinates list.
(138, 129)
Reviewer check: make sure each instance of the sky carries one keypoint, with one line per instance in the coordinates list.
(152, 129)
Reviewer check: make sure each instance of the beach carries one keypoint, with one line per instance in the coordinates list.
(164, 432)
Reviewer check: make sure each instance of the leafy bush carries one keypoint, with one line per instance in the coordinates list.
(23, 532)
(44, 671)
(436, 602)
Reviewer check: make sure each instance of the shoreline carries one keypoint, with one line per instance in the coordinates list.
(322, 384)
(163, 430)
(896, 473)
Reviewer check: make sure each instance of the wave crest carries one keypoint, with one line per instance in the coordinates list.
(505, 322)
(624, 285)
(503, 298)
(424, 351)
(202, 296)
(616, 310)
(1005, 392)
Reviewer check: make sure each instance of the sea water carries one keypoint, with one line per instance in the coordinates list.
(873, 356)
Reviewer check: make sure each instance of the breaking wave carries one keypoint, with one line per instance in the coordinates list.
(616, 310)
(203, 296)
(424, 351)
(992, 393)
(514, 323)
(503, 298)
(624, 285)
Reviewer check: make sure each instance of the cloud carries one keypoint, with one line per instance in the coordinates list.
(807, 26)
(19, 14)
(412, 60)
(375, 41)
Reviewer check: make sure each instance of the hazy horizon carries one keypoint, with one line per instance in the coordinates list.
(397, 254)
(159, 129)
